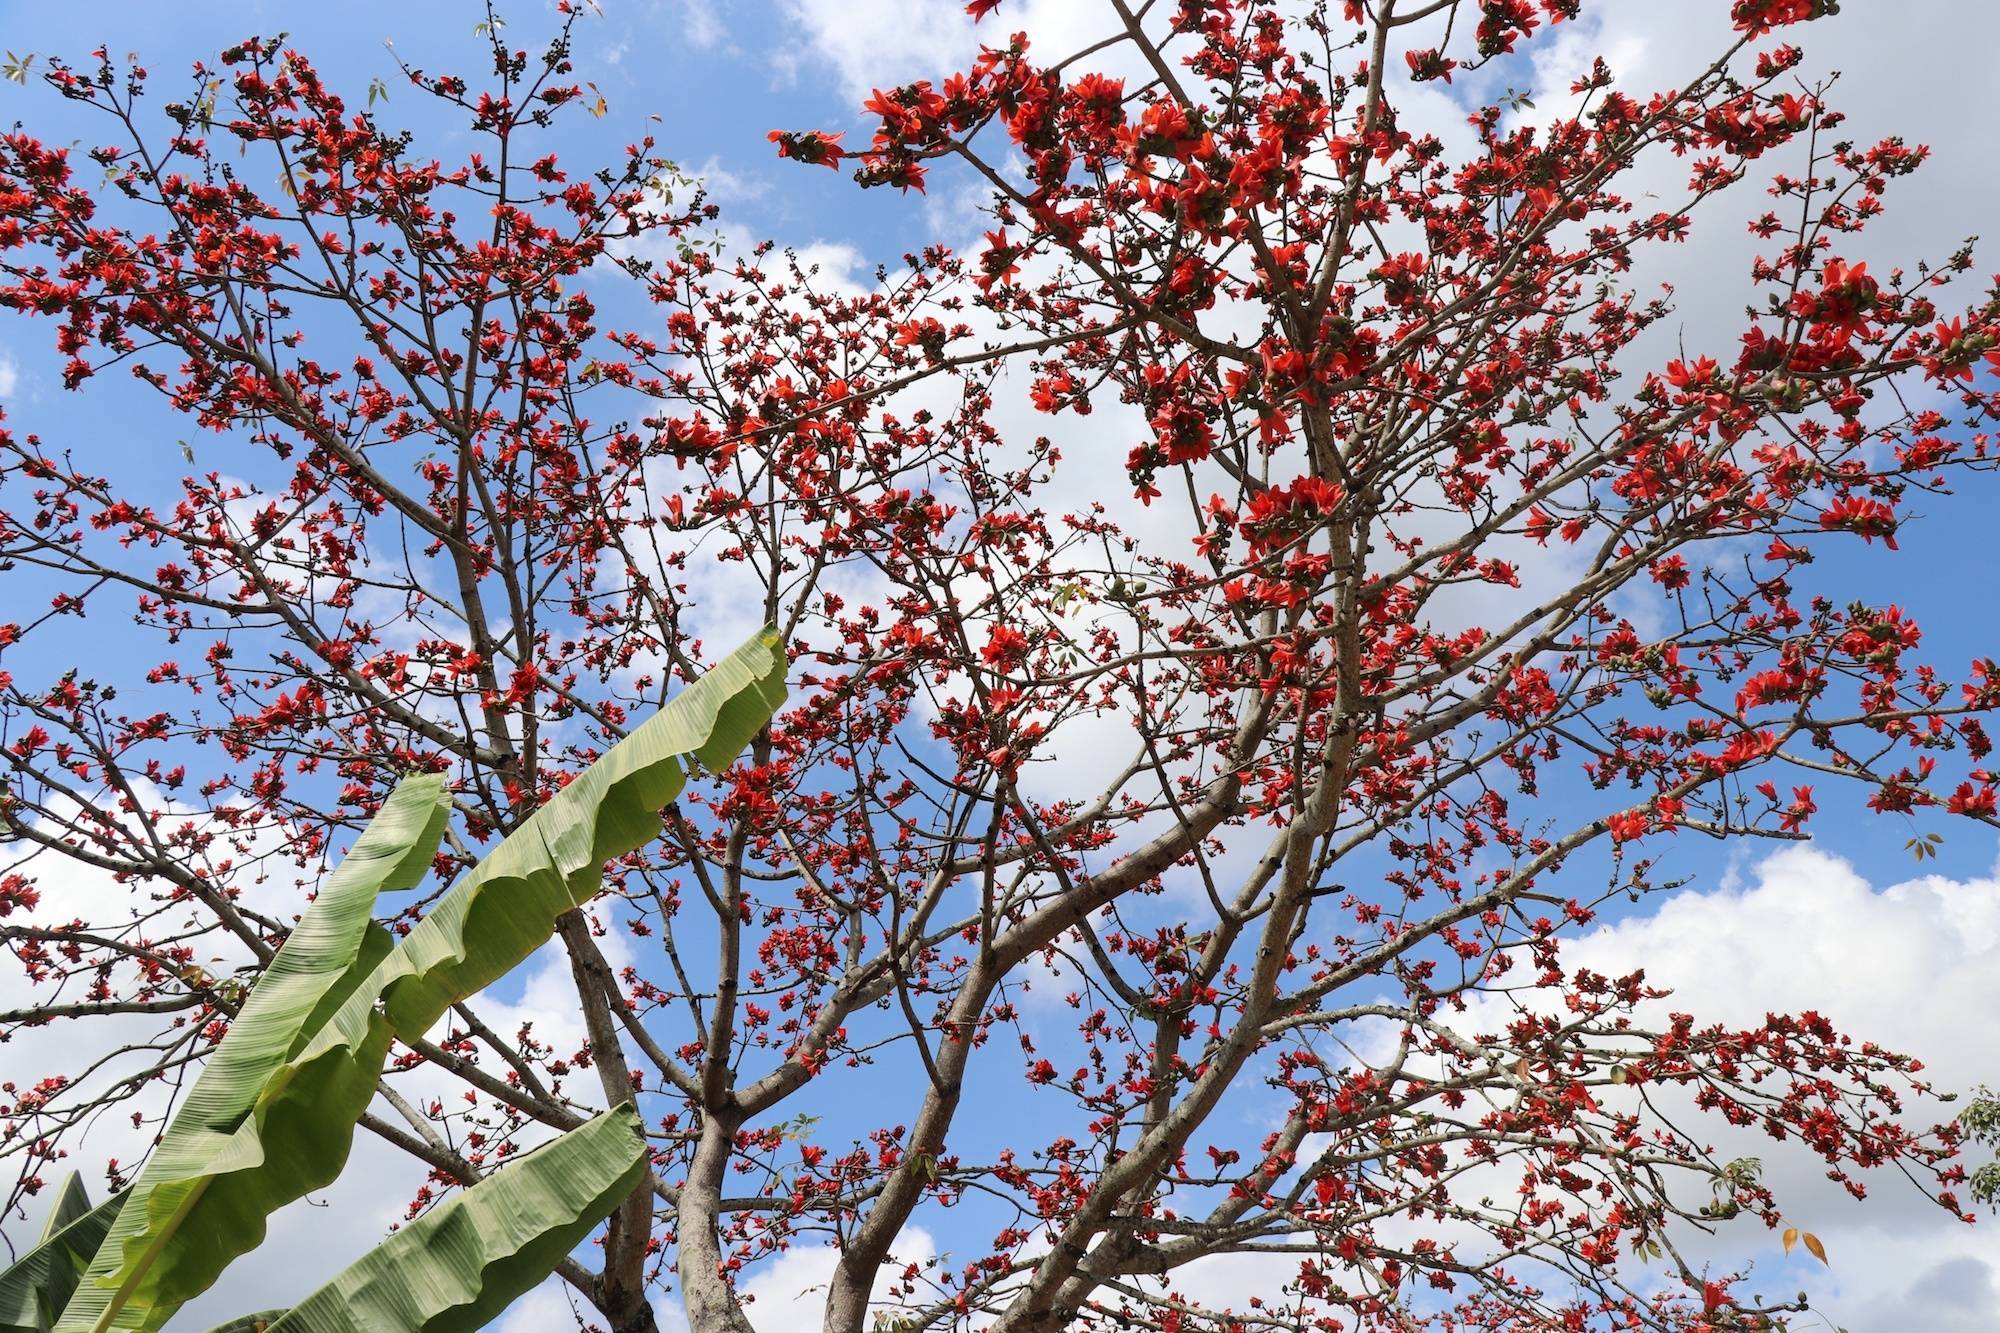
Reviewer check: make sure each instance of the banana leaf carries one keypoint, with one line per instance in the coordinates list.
(226, 1183)
(251, 1323)
(34, 1290)
(462, 1264)
(72, 1202)
(503, 910)
(322, 959)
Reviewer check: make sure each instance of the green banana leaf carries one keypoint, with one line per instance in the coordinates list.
(34, 1290)
(503, 910)
(72, 1202)
(459, 1266)
(321, 960)
(251, 1323)
(223, 1184)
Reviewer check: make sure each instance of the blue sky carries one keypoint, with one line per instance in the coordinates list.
(718, 74)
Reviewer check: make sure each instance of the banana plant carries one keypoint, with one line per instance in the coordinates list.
(453, 1269)
(272, 1115)
(34, 1291)
(462, 1263)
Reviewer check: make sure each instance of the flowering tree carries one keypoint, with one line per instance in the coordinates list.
(1430, 608)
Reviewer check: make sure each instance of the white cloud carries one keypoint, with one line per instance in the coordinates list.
(1881, 58)
(789, 1292)
(702, 24)
(1914, 967)
(882, 43)
(724, 186)
(10, 375)
(548, 1307)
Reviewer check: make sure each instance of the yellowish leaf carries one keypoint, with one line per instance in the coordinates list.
(1812, 1243)
(1791, 1238)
